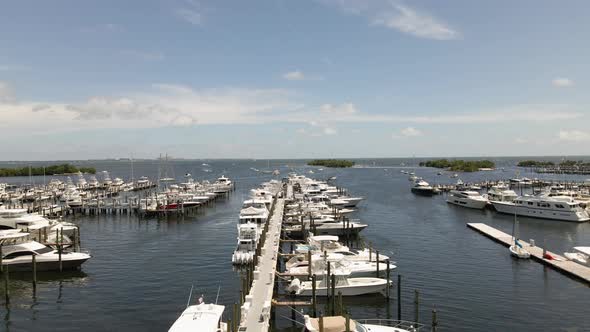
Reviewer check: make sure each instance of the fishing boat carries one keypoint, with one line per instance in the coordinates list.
(423, 188)
(357, 268)
(343, 284)
(248, 235)
(202, 317)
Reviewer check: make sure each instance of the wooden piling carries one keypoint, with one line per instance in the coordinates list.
(399, 297)
(434, 320)
(377, 259)
(313, 295)
(388, 291)
(333, 284)
(321, 324)
(6, 291)
(416, 306)
(34, 257)
(347, 317)
(309, 263)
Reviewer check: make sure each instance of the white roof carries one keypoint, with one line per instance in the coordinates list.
(202, 317)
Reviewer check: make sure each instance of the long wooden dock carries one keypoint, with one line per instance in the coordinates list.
(561, 264)
(256, 308)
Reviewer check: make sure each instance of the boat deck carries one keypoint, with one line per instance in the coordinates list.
(256, 309)
(560, 263)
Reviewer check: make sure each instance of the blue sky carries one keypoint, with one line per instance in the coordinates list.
(293, 79)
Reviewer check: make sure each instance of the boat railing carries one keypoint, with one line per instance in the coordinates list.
(401, 324)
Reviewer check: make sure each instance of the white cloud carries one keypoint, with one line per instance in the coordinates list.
(343, 109)
(6, 93)
(574, 135)
(409, 21)
(294, 76)
(411, 132)
(143, 55)
(562, 82)
(394, 15)
(191, 12)
(330, 131)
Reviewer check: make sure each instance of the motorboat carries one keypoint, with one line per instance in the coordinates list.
(330, 244)
(423, 188)
(468, 199)
(357, 268)
(248, 235)
(19, 256)
(343, 284)
(338, 324)
(580, 255)
(545, 207)
(202, 317)
(253, 211)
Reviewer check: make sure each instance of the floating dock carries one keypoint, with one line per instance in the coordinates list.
(256, 308)
(560, 263)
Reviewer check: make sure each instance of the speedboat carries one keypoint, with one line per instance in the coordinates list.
(338, 323)
(202, 317)
(344, 284)
(423, 188)
(581, 255)
(357, 268)
(247, 240)
(469, 199)
(19, 257)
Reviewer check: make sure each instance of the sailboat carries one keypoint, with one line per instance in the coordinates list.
(516, 248)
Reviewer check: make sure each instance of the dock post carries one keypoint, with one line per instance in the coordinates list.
(34, 273)
(340, 307)
(1, 267)
(416, 306)
(59, 248)
(313, 295)
(321, 324)
(347, 317)
(370, 253)
(230, 327)
(308, 263)
(377, 260)
(434, 320)
(235, 317)
(333, 284)
(6, 292)
(399, 297)
(327, 278)
(388, 281)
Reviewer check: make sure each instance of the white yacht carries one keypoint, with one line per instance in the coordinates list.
(247, 240)
(329, 243)
(82, 184)
(93, 182)
(501, 193)
(556, 207)
(338, 323)
(468, 199)
(254, 211)
(581, 255)
(202, 317)
(344, 284)
(423, 188)
(18, 255)
(357, 268)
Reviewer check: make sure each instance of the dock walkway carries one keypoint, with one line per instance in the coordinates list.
(256, 308)
(560, 263)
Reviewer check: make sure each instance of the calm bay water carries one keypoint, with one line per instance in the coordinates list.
(142, 269)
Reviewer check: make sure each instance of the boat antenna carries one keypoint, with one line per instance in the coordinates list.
(217, 297)
(188, 303)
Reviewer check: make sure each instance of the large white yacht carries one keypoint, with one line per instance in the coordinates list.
(468, 199)
(556, 207)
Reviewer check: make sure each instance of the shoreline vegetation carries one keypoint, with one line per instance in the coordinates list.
(334, 163)
(61, 169)
(459, 165)
(541, 163)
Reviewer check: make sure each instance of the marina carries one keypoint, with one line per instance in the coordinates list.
(302, 211)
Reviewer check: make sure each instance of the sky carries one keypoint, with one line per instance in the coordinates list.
(293, 79)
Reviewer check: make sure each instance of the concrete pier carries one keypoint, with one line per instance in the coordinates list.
(561, 264)
(257, 306)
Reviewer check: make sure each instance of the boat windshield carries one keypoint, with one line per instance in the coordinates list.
(43, 250)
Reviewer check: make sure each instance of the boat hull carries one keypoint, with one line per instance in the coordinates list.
(378, 287)
(423, 192)
(468, 203)
(45, 266)
(512, 209)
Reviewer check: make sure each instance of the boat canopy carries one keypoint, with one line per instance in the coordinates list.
(330, 324)
(202, 317)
